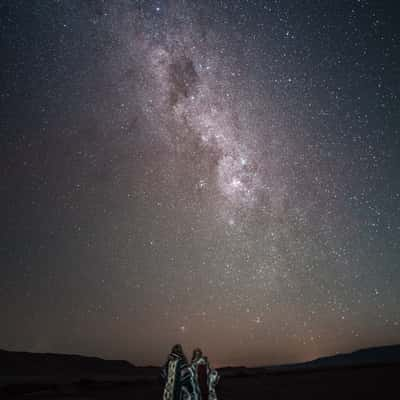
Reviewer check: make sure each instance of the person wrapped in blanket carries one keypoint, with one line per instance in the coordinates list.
(178, 377)
(206, 378)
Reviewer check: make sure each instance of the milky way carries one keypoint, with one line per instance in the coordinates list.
(219, 174)
(194, 111)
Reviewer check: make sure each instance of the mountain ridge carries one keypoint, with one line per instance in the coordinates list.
(20, 363)
(28, 363)
(387, 354)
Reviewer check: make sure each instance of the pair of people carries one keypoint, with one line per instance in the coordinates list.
(184, 381)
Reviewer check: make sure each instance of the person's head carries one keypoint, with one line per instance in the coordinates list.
(177, 349)
(197, 353)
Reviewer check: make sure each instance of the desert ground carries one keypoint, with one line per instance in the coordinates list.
(333, 383)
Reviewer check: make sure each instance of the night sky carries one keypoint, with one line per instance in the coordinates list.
(222, 174)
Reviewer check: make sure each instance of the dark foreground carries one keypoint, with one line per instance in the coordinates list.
(334, 383)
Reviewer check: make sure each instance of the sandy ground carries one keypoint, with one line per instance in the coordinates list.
(344, 383)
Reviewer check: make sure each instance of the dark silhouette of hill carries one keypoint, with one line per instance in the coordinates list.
(49, 364)
(369, 356)
(373, 355)
(14, 363)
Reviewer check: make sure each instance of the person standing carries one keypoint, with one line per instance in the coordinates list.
(213, 378)
(178, 377)
(205, 377)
